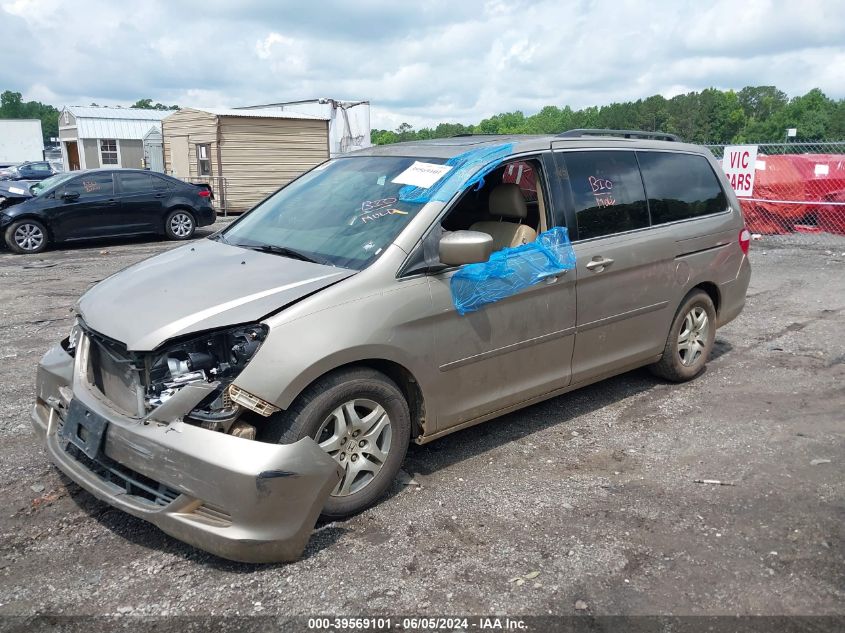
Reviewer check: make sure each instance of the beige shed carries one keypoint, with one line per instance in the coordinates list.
(244, 154)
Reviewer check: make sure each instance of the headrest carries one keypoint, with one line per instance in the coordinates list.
(506, 201)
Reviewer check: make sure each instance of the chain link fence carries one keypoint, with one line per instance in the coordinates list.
(798, 195)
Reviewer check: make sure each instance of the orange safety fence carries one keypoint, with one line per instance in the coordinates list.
(796, 189)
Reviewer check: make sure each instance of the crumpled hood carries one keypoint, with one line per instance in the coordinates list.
(200, 286)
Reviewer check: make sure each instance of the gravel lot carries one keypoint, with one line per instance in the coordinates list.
(589, 497)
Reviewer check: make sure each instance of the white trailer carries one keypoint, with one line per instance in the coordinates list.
(21, 140)
(349, 121)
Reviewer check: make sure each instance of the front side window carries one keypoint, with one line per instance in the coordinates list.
(108, 152)
(90, 186)
(344, 212)
(474, 206)
(680, 186)
(607, 191)
(204, 160)
(49, 183)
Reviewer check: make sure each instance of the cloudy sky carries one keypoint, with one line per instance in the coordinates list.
(420, 62)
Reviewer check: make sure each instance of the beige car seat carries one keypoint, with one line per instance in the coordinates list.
(507, 203)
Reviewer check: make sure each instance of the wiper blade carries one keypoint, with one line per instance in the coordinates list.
(284, 251)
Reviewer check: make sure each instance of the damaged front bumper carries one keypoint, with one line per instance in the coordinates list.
(239, 499)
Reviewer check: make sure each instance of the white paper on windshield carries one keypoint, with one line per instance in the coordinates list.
(17, 190)
(822, 170)
(422, 174)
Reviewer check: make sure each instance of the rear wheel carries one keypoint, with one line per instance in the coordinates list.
(690, 339)
(179, 225)
(26, 236)
(360, 418)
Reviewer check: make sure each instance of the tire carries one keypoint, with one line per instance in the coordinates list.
(323, 410)
(690, 339)
(27, 236)
(180, 224)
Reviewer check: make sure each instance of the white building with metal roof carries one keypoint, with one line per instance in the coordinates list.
(105, 136)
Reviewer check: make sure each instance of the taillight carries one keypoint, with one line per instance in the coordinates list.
(205, 193)
(744, 240)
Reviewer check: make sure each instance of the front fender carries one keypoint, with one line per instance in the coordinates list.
(393, 326)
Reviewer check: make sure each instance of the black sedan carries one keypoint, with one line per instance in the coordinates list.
(102, 203)
(39, 170)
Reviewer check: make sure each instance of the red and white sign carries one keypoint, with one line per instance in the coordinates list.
(739, 163)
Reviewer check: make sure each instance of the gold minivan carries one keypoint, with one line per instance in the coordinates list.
(233, 389)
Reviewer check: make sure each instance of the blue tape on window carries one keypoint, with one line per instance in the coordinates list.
(512, 269)
(469, 169)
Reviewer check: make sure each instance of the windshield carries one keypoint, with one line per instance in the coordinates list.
(344, 212)
(48, 183)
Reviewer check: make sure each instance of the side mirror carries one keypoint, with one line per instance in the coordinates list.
(70, 196)
(465, 247)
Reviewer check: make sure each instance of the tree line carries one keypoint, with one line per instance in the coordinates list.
(755, 114)
(12, 106)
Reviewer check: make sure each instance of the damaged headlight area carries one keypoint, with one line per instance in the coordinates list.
(216, 357)
(141, 384)
(72, 340)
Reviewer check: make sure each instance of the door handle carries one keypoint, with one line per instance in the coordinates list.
(599, 263)
(160, 195)
(112, 202)
(551, 278)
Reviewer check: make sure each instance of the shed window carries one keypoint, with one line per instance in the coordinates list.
(108, 152)
(204, 160)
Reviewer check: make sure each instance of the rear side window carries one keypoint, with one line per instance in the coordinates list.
(680, 186)
(160, 184)
(607, 192)
(135, 183)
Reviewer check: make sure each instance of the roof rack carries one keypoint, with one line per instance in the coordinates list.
(659, 136)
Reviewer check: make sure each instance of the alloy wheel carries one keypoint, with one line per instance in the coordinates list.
(29, 237)
(181, 224)
(692, 339)
(357, 435)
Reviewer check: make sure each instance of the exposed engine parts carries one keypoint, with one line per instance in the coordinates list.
(215, 357)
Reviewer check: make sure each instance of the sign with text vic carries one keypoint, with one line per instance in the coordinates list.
(739, 163)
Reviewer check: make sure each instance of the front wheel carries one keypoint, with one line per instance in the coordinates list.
(690, 339)
(179, 225)
(361, 419)
(26, 236)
